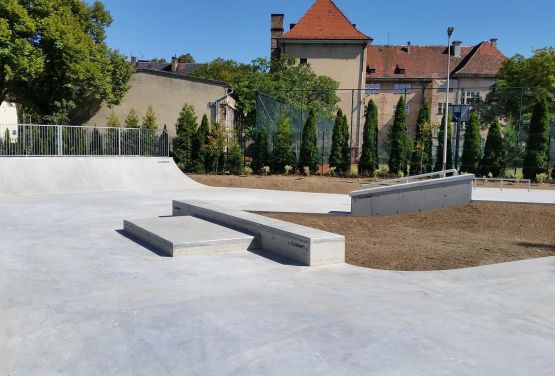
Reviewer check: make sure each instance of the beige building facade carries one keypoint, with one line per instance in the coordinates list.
(167, 92)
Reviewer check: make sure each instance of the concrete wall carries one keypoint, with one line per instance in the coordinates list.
(167, 94)
(344, 63)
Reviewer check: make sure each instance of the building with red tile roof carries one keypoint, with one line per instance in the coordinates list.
(327, 40)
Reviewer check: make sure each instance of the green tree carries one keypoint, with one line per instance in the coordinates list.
(421, 153)
(132, 120)
(283, 155)
(345, 167)
(368, 162)
(234, 157)
(55, 60)
(149, 120)
(471, 154)
(261, 156)
(200, 139)
(284, 79)
(186, 58)
(537, 148)
(440, 143)
(214, 148)
(494, 152)
(308, 156)
(113, 120)
(185, 129)
(336, 155)
(513, 149)
(398, 137)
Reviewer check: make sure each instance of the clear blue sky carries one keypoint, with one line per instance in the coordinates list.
(240, 29)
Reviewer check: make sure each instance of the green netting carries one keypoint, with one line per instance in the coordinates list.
(270, 110)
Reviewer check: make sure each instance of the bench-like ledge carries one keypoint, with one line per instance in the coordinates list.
(307, 246)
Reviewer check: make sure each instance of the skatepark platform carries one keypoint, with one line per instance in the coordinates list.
(306, 245)
(187, 236)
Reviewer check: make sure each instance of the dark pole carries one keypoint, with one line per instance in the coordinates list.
(351, 143)
(457, 144)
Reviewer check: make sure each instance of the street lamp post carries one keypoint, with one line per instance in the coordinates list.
(446, 109)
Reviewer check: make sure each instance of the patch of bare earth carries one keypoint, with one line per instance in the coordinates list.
(458, 237)
(317, 184)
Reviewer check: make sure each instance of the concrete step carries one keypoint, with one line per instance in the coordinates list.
(178, 236)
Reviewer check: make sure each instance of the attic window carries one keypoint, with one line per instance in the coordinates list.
(400, 69)
(370, 70)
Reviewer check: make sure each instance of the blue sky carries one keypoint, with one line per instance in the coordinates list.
(240, 29)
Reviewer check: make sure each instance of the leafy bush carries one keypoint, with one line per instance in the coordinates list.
(265, 170)
(542, 178)
(306, 171)
(288, 169)
(247, 170)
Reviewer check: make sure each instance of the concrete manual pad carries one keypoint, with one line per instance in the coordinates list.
(179, 236)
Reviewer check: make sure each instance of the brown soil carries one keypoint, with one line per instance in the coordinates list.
(459, 237)
(319, 184)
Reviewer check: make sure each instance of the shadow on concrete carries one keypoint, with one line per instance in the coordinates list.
(141, 243)
(549, 247)
(275, 258)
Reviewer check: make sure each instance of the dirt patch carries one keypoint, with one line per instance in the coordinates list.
(319, 184)
(459, 237)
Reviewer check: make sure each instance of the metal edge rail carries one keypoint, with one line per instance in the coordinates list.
(408, 179)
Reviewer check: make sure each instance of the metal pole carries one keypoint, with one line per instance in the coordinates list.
(519, 121)
(352, 135)
(449, 32)
(119, 141)
(60, 140)
(139, 141)
(323, 138)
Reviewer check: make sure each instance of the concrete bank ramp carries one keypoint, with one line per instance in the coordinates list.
(34, 176)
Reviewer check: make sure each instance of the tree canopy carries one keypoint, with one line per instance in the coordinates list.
(283, 79)
(54, 59)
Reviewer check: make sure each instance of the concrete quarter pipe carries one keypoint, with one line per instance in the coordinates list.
(32, 176)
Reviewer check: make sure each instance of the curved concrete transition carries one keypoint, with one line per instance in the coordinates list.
(34, 176)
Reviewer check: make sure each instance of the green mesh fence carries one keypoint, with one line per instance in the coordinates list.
(269, 112)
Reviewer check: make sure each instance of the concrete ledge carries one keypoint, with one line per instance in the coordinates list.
(180, 236)
(412, 197)
(305, 245)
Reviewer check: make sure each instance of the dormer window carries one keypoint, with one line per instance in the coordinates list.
(400, 69)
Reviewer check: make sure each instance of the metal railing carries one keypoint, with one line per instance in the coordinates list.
(502, 181)
(67, 140)
(408, 179)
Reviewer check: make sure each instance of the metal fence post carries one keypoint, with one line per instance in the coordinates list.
(119, 141)
(60, 152)
(139, 141)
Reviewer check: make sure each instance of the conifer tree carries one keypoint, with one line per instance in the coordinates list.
(185, 129)
(419, 163)
(283, 153)
(537, 148)
(149, 120)
(472, 145)
(261, 155)
(398, 137)
(439, 150)
(113, 120)
(345, 167)
(494, 152)
(308, 156)
(234, 158)
(368, 163)
(336, 154)
(214, 148)
(199, 140)
(132, 120)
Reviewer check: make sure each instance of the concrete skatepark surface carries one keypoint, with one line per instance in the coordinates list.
(80, 298)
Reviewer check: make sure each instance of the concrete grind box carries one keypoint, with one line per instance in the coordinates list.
(412, 197)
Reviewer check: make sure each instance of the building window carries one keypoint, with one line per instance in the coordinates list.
(304, 61)
(441, 108)
(442, 88)
(469, 96)
(370, 70)
(372, 89)
(406, 109)
(401, 88)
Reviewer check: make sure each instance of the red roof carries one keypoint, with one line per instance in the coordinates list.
(430, 62)
(324, 20)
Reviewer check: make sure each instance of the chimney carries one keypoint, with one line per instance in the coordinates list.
(408, 47)
(276, 32)
(493, 42)
(457, 48)
(355, 26)
(291, 26)
(174, 64)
